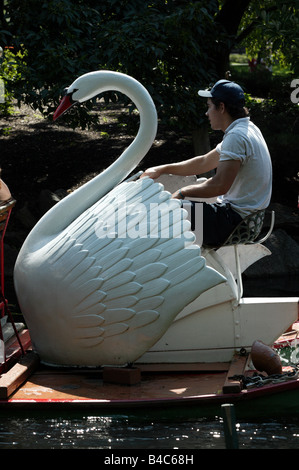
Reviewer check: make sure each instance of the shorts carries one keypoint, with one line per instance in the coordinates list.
(217, 222)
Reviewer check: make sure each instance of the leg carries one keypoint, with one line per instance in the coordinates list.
(217, 221)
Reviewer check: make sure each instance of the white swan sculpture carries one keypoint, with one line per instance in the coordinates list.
(98, 279)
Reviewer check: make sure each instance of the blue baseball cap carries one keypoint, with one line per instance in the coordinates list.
(226, 91)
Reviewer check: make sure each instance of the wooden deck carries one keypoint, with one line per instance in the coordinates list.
(29, 381)
(89, 386)
(29, 384)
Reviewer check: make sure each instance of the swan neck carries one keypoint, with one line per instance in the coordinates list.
(69, 208)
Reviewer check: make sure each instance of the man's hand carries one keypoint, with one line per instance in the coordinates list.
(153, 172)
(177, 195)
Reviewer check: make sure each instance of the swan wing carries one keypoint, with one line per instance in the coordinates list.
(123, 270)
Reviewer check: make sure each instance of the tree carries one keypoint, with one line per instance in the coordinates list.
(56, 37)
(271, 29)
(227, 20)
(173, 47)
(165, 45)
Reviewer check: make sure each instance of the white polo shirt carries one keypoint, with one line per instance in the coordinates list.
(252, 187)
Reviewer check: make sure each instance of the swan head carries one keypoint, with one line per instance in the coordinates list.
(82, 89)
(91, 84)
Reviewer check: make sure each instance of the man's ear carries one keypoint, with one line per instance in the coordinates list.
(222, 108)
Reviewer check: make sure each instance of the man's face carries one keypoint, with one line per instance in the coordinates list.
(215, 115)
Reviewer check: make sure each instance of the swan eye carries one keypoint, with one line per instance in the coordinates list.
(72, 100)
(70, 93)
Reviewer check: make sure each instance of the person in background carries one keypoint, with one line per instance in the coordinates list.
(5, 194)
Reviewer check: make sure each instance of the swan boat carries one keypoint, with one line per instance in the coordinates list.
(102, 280)
(104, 284)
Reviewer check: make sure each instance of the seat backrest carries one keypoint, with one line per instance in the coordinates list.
(247, 230)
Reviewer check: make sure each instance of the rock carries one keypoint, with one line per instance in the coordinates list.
(283, 261)
(286, 218)
(283, 244)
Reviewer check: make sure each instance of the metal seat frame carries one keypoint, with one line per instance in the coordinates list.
(246, 233)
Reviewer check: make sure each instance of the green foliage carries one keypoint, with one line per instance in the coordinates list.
(174, 47)
(57, 37)
(262, 83)
(278, 118)
(162, 44)
(10, 74)
(275, 35)
(166, 49)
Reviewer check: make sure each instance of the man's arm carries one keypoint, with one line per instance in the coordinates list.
(217, 185)
(193, 166)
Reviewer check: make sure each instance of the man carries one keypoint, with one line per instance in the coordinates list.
(243, 178)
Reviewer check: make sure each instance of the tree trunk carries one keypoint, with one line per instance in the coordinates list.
(201, 144)
(228, 20)
(201, 141)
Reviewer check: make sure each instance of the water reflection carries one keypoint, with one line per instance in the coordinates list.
(120, 432)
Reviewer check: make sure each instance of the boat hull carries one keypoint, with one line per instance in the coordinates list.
(190, 390)
(215, 331)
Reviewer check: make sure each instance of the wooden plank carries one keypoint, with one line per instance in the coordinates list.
(12, 347)
(48, 386)
(182, 367)
(13, 350)
(12, 379)
(122, 375)
(237, 367)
